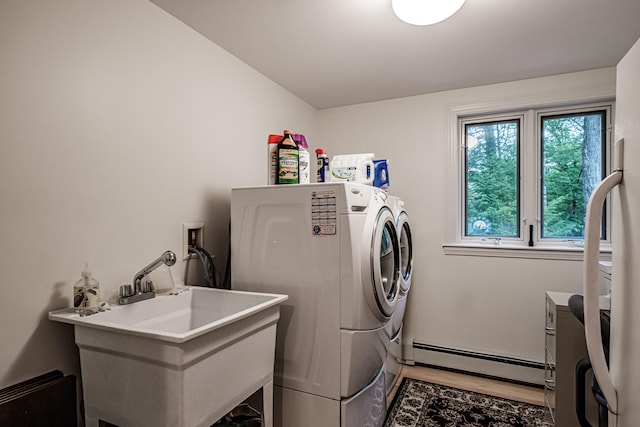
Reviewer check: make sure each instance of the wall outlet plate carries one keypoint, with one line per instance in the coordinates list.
(187, 230)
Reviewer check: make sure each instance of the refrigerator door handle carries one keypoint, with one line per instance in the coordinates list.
(591, 280)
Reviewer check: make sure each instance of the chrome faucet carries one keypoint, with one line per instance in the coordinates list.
(145, 291)
(168, 258)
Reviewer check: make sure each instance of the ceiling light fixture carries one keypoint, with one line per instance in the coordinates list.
(425, 12)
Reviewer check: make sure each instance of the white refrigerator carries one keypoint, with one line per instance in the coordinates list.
(620, 380)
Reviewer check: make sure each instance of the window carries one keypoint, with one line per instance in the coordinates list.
(527, 176)
(572, 152)
(492, 179)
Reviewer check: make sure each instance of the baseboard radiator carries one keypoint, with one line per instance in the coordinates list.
(46, 400)
(482, 364)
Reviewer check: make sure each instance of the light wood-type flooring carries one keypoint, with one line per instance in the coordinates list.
(488, 386)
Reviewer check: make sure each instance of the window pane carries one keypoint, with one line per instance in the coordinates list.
(572, 166)
(491, 185)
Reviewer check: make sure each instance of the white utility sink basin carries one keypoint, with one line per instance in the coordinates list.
(177, 360)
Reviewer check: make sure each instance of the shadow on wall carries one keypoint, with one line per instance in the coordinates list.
(216, 218)
(50, 346)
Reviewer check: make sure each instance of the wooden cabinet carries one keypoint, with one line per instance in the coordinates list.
(565, 346)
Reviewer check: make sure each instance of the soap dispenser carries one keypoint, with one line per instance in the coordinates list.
(86, 293)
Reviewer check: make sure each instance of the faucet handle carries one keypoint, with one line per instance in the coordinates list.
(126, 291)
(147, 286)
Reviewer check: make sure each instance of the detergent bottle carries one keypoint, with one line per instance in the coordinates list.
(288, 160)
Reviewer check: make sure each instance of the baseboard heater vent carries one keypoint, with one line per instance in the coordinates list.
(46, 400)
(489, 365)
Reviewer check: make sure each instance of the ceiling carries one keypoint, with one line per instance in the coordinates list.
(340, 52)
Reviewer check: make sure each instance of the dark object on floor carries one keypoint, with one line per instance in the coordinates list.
(421, 404)
(46, 400)
(242, 415)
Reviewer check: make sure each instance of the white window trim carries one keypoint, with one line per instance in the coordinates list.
(609, 107)
(454, 244)
(523, 118)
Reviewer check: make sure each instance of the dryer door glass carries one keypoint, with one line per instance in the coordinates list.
(406, 252)
(385, 261)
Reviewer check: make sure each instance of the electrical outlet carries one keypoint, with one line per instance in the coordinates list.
(192, 233)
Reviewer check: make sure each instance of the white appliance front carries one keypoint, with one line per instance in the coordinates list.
(395, 357)
(393, 364)
(367, 408)
(625, 277)
(405, 238)
(619, 379)
(333, 249)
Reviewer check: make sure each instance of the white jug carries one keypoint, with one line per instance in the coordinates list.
(352, 168)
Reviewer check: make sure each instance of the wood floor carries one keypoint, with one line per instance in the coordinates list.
(488, 386)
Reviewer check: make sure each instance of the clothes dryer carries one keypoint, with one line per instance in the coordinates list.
(333, 248)
(395, 357)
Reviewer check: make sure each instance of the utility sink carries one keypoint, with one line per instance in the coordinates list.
(177, 360)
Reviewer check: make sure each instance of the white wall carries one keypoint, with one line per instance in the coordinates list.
(487, 305)
(117, 125)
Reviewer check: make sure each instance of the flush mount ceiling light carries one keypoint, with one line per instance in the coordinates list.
(425, 12)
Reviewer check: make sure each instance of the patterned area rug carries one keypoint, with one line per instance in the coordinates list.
(421, 404)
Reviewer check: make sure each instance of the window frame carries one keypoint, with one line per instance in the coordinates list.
(606, 166)
(530, 182)
(487, 119)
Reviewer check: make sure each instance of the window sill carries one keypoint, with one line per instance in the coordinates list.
(503, 250)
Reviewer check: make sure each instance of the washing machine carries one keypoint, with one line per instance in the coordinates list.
(333, 248)
(395, 357)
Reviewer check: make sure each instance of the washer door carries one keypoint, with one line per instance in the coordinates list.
(384, 264)
(406, 252)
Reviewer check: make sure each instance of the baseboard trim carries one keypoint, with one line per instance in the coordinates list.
(481, 364)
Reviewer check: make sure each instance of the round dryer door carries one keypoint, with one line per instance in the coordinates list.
(406, 252)
(385, 266)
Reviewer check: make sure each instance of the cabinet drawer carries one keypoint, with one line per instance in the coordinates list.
(550, 322)
(550, 327)
(550, 340)
(550, 374)
(550, 385)
(551, 409)
(550, 343)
